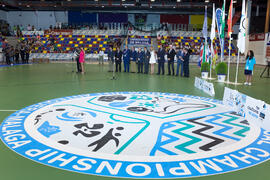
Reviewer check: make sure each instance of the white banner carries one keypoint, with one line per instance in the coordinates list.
(252, 109)
(235, 100)
(205, 86)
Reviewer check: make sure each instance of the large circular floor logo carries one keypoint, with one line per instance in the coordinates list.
(136, 135)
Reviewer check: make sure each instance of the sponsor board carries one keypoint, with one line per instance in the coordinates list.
(205, 86)
(136, 135)
(253, 109)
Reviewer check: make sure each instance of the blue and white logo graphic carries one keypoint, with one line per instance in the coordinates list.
(136, 135)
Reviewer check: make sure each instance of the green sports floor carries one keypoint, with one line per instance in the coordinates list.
(24, 85)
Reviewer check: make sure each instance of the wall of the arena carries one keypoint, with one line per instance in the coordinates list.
(3, 15)
(198, 20)
(40, 19)
(257, 43)
(78, 17)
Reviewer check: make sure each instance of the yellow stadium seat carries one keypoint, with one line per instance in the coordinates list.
(76, 45)
(96, 36)
(98, 39)
(176, 43)
(23, 38)
(95, 42)
(83, 36)
(198, 37)
(47, 35)
(179, 40)
(100, 45)
(88, 39)
(145, 36)
(70, 36)
(186, 43)
(60, 35)
(195, 40)
(165, 37)
(44, 52)
(36, 48)
(191, 38)
(62, 39)
(78, 39)
(106, 36)
(182, 37)
(132, 36)
(85, 49)
(81, 42)
(105, 42)
(43, 42)
(58, 45)
(67, 48)
(70, 42)
(90, 45)
(103, 49)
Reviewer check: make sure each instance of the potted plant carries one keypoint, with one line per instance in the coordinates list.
(205, 68)
(221, 70)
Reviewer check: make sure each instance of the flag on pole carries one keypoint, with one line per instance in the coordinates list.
(205, 54)
(229, 22)
(204, 30)
(214, 55)
(241, 44)
(213, 26)
(223, 21)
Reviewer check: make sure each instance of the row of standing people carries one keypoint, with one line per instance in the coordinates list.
(13, 55)
(145, 60)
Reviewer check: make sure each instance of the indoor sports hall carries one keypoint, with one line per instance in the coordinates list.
(134, 89)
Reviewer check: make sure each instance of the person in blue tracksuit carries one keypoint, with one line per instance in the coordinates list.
(140, 60)
(126, 58)
(133, 59)
(250, 62)
(147, 56)
(180, 62)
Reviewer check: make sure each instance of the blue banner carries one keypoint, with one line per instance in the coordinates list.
(139, 41)
(218, 19)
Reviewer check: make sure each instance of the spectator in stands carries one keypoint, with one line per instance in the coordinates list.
(6, 51)
(171, 55)
(101, 56)
(147, 56)
(22, 52)
(17, 54)
(186, 62)
(33, 28)
(250, 62)
(11, 55)
(29, 27)
(126, 58)
(110, 58)
(82, 59)
(140, 59)
(27, 52)
(118, 59)
(161, 59)
(133, 59)
(153, 60)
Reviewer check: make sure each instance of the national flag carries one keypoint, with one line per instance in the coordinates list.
(229, 22)
(204, 30)
(214, 56)
(223, 21)
(213, 26)
(242, 30)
